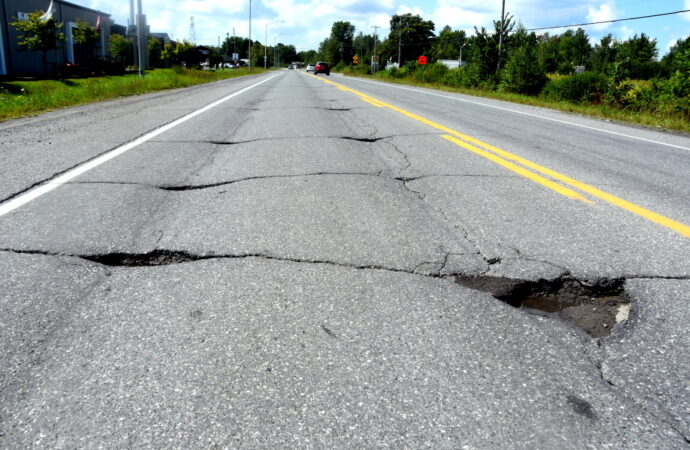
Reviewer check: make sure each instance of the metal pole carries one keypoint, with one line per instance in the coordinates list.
(500, 36)
(250, 35)
(399, 39)
(265, 42)
(375, 27)
(140, 34)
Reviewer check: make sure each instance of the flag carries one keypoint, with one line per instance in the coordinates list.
(98, 24)
(49, 14)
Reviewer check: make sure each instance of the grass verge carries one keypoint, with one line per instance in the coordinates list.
(28, 98)
(664, 121)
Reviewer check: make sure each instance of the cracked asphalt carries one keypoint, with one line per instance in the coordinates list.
(279, 271)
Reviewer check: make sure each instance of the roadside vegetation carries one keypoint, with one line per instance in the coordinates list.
(613, 79)
(26, 98)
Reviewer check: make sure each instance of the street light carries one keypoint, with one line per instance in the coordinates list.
(266, 38)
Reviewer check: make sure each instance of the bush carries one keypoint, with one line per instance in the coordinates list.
(587, 87)
(466, 77)
(339, 67)
(523, 74)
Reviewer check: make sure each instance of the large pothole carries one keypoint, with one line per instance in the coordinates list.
(596, 307)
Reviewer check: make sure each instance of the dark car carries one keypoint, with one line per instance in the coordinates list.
(322, 67)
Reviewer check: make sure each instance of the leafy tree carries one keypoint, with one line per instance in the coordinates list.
(339, 45)
(636, 58)
(603, 55)
(308, 57)
(448, 44)
(415, 35)
(675, 58)
(155, 48)
(523, 73)
(84, 33)
(39, 35)
(483, 47)
(120, 47)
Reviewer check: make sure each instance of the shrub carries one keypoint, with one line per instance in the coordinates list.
(523, 74)
(587, 87)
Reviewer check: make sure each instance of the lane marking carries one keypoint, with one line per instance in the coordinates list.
(48, 186)
(372, 102)
(519, 170)
(678, 227)
(525, 114)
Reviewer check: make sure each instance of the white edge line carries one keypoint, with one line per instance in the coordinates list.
(523, 113)
(48, 186)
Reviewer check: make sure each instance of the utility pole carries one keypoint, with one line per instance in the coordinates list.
(375, 57)
(140, 37)
(500, 36)
(265, 44)
(399, 40)
(250, 35)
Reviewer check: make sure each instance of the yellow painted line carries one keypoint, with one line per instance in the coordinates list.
(678, 227)
(372, 102)
(519, 170)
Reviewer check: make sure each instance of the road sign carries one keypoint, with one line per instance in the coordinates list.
(422, 60)
(355, 60)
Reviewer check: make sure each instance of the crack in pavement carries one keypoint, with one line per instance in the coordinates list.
(191, 187)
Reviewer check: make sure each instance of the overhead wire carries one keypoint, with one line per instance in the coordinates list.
(609, 21)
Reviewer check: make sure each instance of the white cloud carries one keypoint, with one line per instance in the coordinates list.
(605, 11)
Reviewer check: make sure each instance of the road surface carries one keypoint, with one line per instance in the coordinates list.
(289, 260)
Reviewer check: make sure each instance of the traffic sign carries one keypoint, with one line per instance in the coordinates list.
(355, 60)
(422, 60)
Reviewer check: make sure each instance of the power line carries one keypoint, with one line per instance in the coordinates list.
(610, 21)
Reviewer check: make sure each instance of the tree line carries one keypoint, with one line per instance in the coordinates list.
(623, 73)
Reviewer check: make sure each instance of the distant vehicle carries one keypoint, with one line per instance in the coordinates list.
(322, 67)
(310, 68)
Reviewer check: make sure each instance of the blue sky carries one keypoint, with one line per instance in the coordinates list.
(305, 23)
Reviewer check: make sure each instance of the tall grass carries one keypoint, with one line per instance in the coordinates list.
(26, 98)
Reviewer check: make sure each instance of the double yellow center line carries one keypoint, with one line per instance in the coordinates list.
(521, 166)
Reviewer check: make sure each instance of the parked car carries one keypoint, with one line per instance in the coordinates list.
(322, 67)
(310, 67)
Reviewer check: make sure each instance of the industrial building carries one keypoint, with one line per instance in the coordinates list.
(15, 61)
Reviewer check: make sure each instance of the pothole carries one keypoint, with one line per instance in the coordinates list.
(153, 258)
(595, 307)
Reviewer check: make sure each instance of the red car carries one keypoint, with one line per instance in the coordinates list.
(322, 67)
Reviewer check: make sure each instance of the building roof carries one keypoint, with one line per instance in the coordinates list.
(95, 11)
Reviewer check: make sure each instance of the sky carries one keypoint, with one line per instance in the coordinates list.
(305, 23)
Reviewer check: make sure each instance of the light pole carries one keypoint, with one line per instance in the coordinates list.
(140, 38)
(375, 57)
(399, 40)
(250, 35)
(266, 39)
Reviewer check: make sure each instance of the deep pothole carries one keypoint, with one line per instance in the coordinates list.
(595, 307)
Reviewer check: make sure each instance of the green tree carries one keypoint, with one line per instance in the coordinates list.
(523, 73)
(675, 58)
(414, 34)
(39, 35)
(448, 44)
(155, 48)
(603, 55)
(636, 58)
(84, 33)
(120, 47)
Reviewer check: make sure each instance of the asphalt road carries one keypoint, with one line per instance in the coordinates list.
(291, 261)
